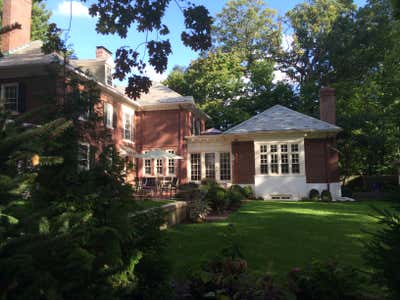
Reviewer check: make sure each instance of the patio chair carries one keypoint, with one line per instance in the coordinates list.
(165, 185)
(149, 185)
(174, 185)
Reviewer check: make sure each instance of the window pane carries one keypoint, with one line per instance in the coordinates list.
(295, 163)
(195, 163)
(160, 169)
(264, 164)
(295, 147)
(210, 165)
(128, 127)
(274, 164)
(83, 157)
(274, 148)
(263, 148)
(284, 164)
(10, 97)
(171, 164)
(147, 166)
(225, 166)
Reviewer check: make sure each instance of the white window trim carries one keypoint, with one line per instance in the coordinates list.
(131, 112)
(3, 97)
(87, 167)
(110, 115)
(167, 163)
(258, 153)
(203, 166)
(107, 66)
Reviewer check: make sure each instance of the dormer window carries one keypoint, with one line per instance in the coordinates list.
(108, 78)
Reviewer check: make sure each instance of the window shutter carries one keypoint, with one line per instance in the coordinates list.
(21, 98)
(115, 117)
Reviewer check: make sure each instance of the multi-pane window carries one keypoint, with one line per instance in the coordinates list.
(159, 166)
(128, 126)
(147, 166)
(195, 163)
(263, 159)
(210, 165)
(83, 156)
(295, 163)
(171, 164)
(225, 166)
(274, 163)
(9, 96)
(108, 115)
(284, 163)
(280, 159)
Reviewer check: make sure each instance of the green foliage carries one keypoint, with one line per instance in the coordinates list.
(215, 195)
(326, 196)
(314, 195)
(226, 276)
(328, 281)
(247, 27)
(383, 251)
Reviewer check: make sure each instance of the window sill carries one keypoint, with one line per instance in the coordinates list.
(128, 141)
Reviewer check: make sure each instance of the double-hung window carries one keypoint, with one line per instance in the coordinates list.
(195, 164)
(83, 156)
(128, 115)
(9, 96)
(225, 166)
(147, 166)
(159, 167)
(209, 160)
(108, 115)
(171, 164)
(108, 75)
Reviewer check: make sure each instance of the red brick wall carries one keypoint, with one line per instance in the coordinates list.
(321, 161)
(16, 11)
(243, 162)
(166, 130)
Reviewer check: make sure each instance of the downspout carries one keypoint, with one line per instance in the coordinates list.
(326, 164)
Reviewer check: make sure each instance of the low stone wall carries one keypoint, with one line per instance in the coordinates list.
(176, 213)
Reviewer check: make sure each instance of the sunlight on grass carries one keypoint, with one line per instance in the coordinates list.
(276, 236)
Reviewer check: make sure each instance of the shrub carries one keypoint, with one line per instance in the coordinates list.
(188, 192)
(234, 197)
(248, 192)
(347, 192)
(328, 281)
(383, 251)
(314, 195)
(215, 196)
(326, 196)
(198, 210)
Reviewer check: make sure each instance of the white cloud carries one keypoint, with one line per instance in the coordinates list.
(153, 75)
(78, 9)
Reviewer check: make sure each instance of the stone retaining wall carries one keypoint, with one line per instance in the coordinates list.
(176, 213)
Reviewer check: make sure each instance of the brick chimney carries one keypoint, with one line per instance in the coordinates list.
(327, 105)
(16, 11)
(103, 53)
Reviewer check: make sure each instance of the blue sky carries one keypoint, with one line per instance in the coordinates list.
(84, 38)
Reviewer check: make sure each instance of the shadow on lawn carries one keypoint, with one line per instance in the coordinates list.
(276, 236)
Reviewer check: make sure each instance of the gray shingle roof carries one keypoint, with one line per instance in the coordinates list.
(280, 118)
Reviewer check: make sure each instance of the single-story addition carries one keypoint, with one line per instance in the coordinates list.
(281, 153)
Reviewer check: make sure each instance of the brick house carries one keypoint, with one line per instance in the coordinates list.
(281, 153)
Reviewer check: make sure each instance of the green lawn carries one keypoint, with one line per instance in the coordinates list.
(277, 236)
(148, 203)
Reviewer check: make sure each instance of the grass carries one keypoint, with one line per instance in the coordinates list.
(148, 203)
(277, 236)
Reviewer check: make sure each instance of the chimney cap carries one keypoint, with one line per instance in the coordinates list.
(104, 48)
(327, 91)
